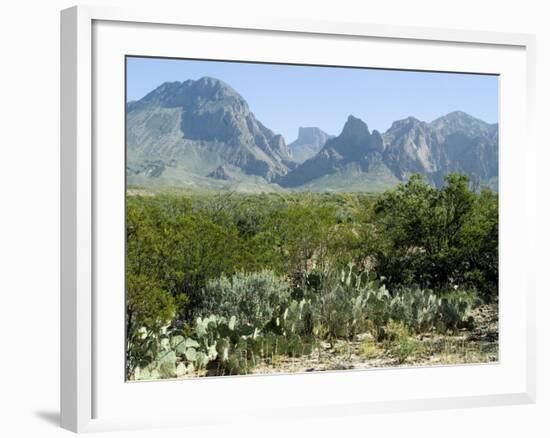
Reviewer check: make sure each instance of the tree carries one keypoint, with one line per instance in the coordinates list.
(437, 237)
(149, 310)
(301, 235)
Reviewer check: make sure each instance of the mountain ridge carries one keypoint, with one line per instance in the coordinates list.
(202, 130)
(455, 142)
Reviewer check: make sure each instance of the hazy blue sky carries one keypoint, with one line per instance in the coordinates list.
(284, 97)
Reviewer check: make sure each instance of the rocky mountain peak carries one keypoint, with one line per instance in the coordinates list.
(354, 146)
(355, 128)
(457, 115)
(376, 142)
(459, 121)
(205, 90)
(407, 123)
(456, 142)
(215, 89)
(208, 82)
(189, 120)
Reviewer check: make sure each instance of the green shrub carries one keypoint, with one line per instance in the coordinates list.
(401, 344)
(253, 298)
(264, 273)
(149, 311)
(370, 349)
(437, 237)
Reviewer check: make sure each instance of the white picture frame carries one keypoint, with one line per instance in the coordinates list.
(90, 389)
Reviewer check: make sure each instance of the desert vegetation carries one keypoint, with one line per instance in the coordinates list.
(232, 283)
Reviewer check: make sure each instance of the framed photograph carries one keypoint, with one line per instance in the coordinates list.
(289, 218)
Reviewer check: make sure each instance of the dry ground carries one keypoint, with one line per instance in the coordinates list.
(479, 345)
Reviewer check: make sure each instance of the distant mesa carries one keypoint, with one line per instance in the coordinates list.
(310, 141)
(355, 145)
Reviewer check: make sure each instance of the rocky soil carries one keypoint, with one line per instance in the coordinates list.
(479, 345)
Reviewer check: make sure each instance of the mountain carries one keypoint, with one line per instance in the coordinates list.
(189, 129)
(310, 141)
(355, 145)
(202, 133)
(456, 142)
(469, 146)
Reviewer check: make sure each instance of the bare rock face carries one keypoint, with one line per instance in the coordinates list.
(409, 149)
(354, 145)
(456, 142)
(204, 123)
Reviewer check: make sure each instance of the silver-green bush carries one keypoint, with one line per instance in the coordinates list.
(253, 298)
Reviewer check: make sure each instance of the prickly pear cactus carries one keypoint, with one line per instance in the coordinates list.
(167, 365)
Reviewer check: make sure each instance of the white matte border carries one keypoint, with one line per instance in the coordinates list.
(502, 383)
(112, 41)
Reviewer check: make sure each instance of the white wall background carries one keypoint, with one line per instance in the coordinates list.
(29, 215)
